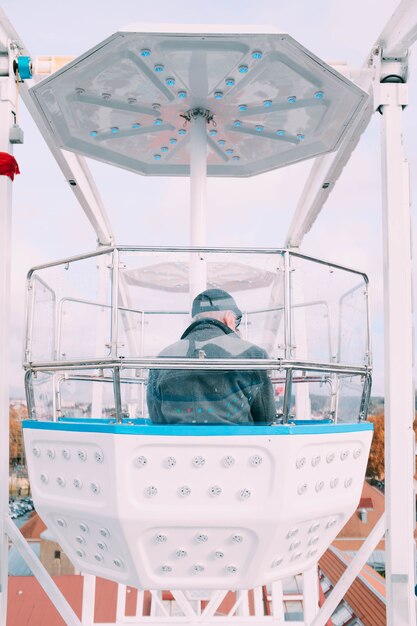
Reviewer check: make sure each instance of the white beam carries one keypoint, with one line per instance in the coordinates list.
(347, 578)
(400, 31)
(73, 167)
(322, 178)
(44, 579)
(398, 343)
(6, 121)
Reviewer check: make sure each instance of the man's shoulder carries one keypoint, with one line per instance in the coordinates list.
(246, 349)
(177, 349)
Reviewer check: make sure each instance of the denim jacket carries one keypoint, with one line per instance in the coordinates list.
(210, 396)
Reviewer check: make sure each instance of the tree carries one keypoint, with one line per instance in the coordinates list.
(16, 436)
(376, 461)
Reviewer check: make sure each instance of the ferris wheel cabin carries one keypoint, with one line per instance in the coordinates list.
(194, 503)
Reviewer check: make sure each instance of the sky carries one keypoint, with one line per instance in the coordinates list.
(48, 223)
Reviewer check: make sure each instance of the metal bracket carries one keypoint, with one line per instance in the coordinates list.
(390, 93)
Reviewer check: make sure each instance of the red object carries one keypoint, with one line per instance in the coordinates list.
(8, 165)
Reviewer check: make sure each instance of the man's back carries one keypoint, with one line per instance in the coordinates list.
(208, 396)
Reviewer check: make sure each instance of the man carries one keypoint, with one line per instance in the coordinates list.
(209, 396)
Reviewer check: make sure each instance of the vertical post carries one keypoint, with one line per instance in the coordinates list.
(198, 203)
(399, 392)
(89, 597)
(287, 306)
(6, 106)
(277, 597)
(310, 594)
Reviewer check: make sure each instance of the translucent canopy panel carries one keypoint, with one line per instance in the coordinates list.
(130, 101)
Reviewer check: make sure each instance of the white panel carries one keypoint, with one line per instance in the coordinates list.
(162, 512)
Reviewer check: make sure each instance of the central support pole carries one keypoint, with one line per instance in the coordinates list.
(198, 201)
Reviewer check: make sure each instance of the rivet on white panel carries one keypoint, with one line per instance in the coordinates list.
(202, 538)
(344, 455)
(348, 482)
(237, 539)
(118, 562)
(80, 540)
(334, 482)
(160, 538)
(61, 522)
(219, 554)
(314, 527)
(151, 491)
(84, 527)
(276, 562)
(215, 491)
(244, 494)
(357, 453)
(184, 491)
(104, 532)
(95, 488)
(66, 453)
(296, 556)
(228, 461)
(255, 460)
(199, 461)
(315, 460)
(36, 451)
(295, 545)
(331, 523)
(45, 479)
(330, 457)
(292, 532)
(300, 462)
(101, 545)
(78, 483)
(181, 554)
(166, 569)
(198, 568)
(61, 481)
(313, 540)
(319, 486)
(82, 455)
(99, 456)
(99, 558)
(141, 461)
(231, 569)
(170, 462)
(312, 553)
(50, 453)
(302, 489)
(80, 553)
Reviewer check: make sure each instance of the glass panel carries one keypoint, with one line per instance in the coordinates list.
(350, 398)
(41, 385)
(326, 396)
(40, 342)
(155, 302)
(328, 313)
(87, 394)
(71, 310)
(133, 384)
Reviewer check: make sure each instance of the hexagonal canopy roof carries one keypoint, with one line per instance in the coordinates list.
(273, 102)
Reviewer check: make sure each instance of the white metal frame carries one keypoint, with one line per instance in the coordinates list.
(389, 56)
